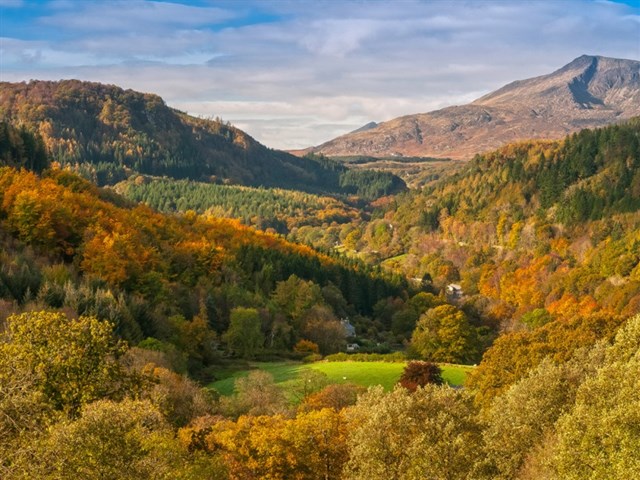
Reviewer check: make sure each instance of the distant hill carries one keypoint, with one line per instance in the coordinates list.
(590, 91)
(366, 127)
(106, 134)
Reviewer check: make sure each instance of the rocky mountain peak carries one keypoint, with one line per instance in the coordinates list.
(590, 91)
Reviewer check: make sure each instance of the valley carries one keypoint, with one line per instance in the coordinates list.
(450, 295)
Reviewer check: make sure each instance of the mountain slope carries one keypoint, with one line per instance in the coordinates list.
(107, 133)
(590, 91)
(532, 225)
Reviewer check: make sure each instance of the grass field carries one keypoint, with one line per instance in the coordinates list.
(360, 373)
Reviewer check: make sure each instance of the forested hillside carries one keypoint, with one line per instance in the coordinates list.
(105, 134)
(106, 305)
(277, 209)
(531, 225)
(67, 243)
(542, 238)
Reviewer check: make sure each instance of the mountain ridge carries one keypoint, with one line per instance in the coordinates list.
(590, 91)
(107, 134)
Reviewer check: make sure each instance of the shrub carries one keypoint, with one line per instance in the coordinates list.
(418, 374)
(366, 357)
(314, 357)
(306, 346)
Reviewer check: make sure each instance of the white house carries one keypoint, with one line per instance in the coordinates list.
(454, 290)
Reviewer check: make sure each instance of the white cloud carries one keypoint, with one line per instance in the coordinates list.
(314, 70)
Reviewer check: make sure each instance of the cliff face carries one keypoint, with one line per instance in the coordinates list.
(588, 92)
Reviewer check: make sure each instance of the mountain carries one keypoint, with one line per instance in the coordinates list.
(366, 127)
(107, 134)
(591, 91)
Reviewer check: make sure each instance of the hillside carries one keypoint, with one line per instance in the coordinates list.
(277, 209)
(65, 243)
(590, 91)
(106, 134)
(532, 225)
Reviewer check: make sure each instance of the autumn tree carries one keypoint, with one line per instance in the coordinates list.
(177, 397)
(444, 334)
(513, 355)
(418, 374)
(599, 436)
(336, 396)
(321, 327)
(318, 440)
(310, 446)
(306, 347)
(256, 394)
(432, 433)
(195, 339)
(125, 440)
(523, 419)
(70, 362)
(295, 297)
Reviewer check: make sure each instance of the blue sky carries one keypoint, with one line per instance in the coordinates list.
(294, 73)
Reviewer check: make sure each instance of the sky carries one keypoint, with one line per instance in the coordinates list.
(296, 73)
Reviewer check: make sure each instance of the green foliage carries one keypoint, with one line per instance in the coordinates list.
(444, 334)
(536, 318)
(244, 336)
(296, 297)
(371, 184)
(367, 357)
(70, 362)
(21, 148)
(263, 208)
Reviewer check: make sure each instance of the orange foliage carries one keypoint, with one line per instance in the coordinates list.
(514, 354)
(569, 306)
(63, 214)
(525, 288)
(311, 445)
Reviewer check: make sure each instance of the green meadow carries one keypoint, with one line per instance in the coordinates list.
(360, 373)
